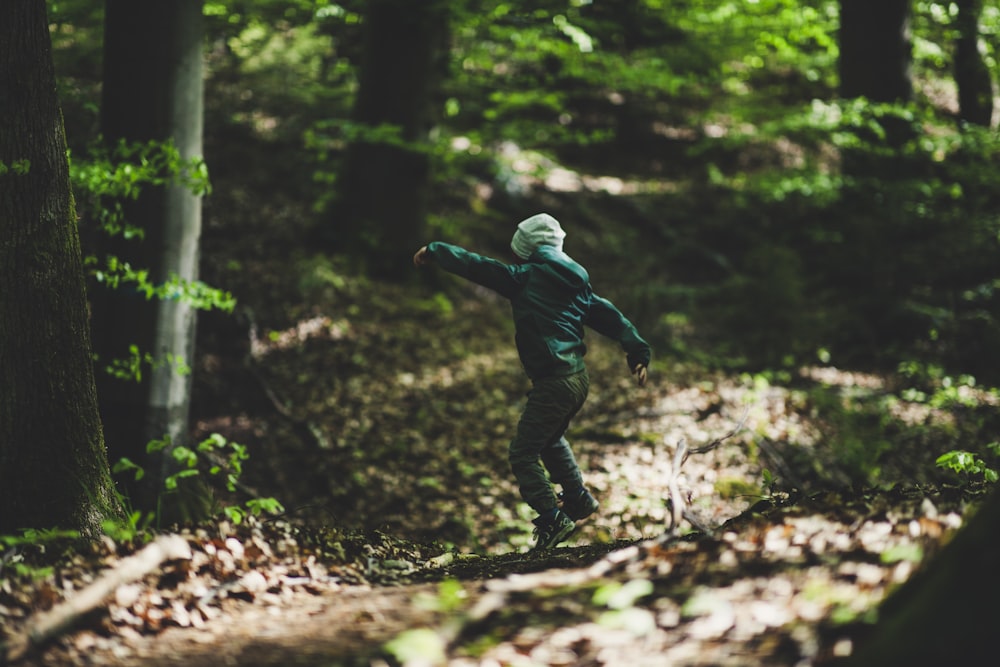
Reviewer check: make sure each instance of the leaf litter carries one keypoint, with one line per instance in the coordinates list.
(405, 541)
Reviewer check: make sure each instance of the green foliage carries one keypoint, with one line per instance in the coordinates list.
(622, 612)
(913, 184)
(739, 101)
(116, 273)
(188, 459)
(854, 431)
(216, 457)
(17, 167)
(616, 595)
(131, 367)
(15, 550)
(733, 487)
(103, 177)
(767, 482)
(449, 596)
(137, 527)
(968, 465)
(419, 646)
(931, 384)
(253, 507)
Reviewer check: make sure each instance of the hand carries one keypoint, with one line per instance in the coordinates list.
(421, 258)
(640, 374)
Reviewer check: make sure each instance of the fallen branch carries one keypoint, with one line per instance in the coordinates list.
(678, 508)
(53, 623)
(718, 441)
(677, 505)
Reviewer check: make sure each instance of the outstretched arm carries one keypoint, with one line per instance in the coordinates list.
(479, 269)
(606, 319)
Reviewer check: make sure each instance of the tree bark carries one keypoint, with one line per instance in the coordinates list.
(875, 51)
(153, 90)
(53, 466)
(972, 75)
(945, 614)
(383, 184)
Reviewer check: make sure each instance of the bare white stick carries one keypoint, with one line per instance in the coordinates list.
(51, 624)
(676, 499)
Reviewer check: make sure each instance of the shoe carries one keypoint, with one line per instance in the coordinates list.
(550, 532)
(579, 506)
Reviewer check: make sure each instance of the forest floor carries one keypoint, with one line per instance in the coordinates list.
(379, 417)
(404, 542)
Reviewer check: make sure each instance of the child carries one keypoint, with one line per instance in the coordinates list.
(551, 299)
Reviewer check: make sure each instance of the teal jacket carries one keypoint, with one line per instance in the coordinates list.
(551, 299)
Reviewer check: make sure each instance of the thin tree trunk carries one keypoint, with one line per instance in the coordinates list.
(53, 466)
(153, 90)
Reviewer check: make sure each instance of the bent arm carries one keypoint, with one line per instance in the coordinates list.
(607, 320)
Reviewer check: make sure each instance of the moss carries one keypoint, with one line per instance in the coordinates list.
(734, 487)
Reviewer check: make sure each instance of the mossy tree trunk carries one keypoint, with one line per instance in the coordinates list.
(945, 614)
(53, 465)
(152, 91)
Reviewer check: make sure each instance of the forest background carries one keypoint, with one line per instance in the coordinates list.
(754, 221)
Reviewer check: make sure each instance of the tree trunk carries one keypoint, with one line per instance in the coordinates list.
(53, 466)
(875, 52)
(946, 613)
(383, 183)
(975, 87)
(153, 90)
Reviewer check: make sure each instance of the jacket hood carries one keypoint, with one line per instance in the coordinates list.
(560, 266)
(538, 230)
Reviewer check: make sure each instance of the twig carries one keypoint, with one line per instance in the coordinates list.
(53, 623)
(678, 508)
(718, 441)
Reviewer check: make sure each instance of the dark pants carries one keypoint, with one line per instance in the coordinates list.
(552, 403)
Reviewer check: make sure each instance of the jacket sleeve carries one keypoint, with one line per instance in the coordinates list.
(482, 270)
(606, 319)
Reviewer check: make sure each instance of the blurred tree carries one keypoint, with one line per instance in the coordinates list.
(875, 50)
(53, 466)
(945, 614)
(975, 87)
(153, 91)
(385, 177)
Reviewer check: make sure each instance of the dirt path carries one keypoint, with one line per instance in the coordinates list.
(790, 584)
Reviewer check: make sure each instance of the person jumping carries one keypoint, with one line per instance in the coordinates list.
(551, 301)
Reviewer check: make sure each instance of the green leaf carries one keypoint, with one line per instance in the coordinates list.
(909, 551)
(618, 596)
(125, 464)
(636, 620)
(420, 646)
